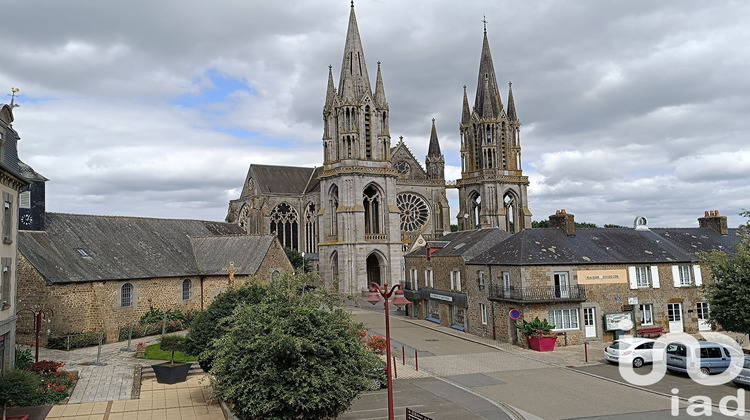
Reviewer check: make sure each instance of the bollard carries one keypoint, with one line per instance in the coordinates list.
(164, 325)
(395, 373)
(416, 360)
(130, 336)
(586, 351)
(99, 351)
(67, 341)
(403, 356)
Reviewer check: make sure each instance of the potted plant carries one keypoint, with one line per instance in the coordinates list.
(171, 372)
(140, 349)
(539, 333)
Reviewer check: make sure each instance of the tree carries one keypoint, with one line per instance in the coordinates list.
(173, 343)
(295, 355)
(16, 385)
(298, 261)
(728, 295)
(454, 228)
(745, 213)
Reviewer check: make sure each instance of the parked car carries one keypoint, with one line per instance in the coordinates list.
(636, 350)
(743, 378)
(378, 376)
(709, 357)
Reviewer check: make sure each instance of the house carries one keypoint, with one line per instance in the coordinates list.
(98, 273)
(11, 183)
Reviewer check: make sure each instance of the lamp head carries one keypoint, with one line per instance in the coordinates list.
(374, 296)
(400, 301)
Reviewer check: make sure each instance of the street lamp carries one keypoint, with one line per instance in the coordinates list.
(375, 293)
(39, 315)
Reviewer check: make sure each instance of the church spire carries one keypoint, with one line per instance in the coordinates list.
(330, 93)
(511, 104)
(434, 149)
(487, 101)
(354, 81)
(435, 161)
(379, 99)
(466, 113)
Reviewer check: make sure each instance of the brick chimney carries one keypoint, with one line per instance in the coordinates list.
(563, 221)
(714, 221)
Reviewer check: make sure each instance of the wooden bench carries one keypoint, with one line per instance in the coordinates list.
(650, 332)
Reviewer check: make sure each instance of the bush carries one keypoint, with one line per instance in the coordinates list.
(173, 343)
(23, 357)
(55, 383)
(74, 340)
(16, 386)
(376, 343)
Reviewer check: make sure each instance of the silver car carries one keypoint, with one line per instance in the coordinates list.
(743, 378)
(636, 350)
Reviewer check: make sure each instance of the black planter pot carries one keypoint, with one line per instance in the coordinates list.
(167, 373)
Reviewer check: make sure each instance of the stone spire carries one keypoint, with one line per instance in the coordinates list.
(434, 149)
(354, 81)
(379, 98)
(511, 104)
(330, 93)
(466, 113)
(488, 102)
(435, 160)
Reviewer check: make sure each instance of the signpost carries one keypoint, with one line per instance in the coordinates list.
(413, 415)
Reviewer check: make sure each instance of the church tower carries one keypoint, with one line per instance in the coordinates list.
(492, 188)
(359, 235)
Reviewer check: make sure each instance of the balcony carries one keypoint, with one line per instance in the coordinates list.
(375, 237)
(539, 294)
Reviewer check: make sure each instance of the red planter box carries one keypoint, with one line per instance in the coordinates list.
(542, 343)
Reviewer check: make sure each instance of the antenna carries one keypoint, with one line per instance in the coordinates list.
(14, 91)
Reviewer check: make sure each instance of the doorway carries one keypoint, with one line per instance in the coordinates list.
(373, 270)
(674, 314)
(589, 322)
(562, 287)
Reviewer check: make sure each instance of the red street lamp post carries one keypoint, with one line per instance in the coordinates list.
(39, 315)
(375, 293)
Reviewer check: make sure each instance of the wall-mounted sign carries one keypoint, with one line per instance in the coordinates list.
(632, 301)
(514, 314)
(602, 276)
(618, 321)
(441, 297)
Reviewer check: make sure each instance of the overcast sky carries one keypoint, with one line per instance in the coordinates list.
(157, 109)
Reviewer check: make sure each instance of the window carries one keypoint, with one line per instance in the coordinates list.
(5, 293)
(428, 280)
(702, 309)
(276, 277)
(7, 218)
(641, 277)
(126, 292)
(371, 203)
(480, 279)
(564, 319)
(506, 284)
(284, 225)
(647, 314)
(456, 280)
(483, 313)
(413, 281)
(686, 275)
(186, 289)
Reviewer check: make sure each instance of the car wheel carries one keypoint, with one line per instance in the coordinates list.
(705, 372)
(375, 385)
(637, 362)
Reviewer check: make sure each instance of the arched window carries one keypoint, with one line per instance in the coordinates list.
(371, 202)
(284, 225)
(475, 209)
(126, 294)
(333, 204)
(509, 202)
(186, 289)
(311, 229)
(414, 211)
(275, 277)
(335, 270)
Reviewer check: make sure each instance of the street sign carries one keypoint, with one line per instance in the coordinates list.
(413, 415)
(514, 314)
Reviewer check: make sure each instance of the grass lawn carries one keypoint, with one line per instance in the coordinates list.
(153, 352)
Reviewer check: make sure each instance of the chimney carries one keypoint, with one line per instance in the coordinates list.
(563, 221)
(714, 221)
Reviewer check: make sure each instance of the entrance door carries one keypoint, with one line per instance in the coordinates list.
(562, 287)
(703, 323)
(589, 322)
(674, 313)
(373, 270)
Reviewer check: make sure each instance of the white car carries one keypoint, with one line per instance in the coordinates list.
(635, 350)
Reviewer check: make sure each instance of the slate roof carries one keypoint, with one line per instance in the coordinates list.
(604, 246)
(116, 247)
(213, 253)
(466, 243)
(284, 179)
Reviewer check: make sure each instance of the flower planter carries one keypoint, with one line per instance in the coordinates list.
(542, 343)
(171, 373)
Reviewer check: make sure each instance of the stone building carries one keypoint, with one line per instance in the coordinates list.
(584, 281)
(11, 183)
(98, 273)
(369, 200)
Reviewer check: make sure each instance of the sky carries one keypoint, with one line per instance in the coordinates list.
(157, 109)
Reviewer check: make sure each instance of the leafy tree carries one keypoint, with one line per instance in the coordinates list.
(299, 262)
(173, 343)
(610, 226)
(16, 385)
(745, 213)
(454, 228)
(294, 355)
(728, 295)
(540, 224)
(208, 326)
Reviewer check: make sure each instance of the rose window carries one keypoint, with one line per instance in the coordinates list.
(414, 211)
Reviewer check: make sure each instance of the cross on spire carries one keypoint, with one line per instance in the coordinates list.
(484, 20)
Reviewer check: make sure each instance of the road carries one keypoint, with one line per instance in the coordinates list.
(469, 380)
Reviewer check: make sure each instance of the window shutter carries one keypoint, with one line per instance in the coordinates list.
(697, 273)
(632, 278)
(452, 284)
(655, 276)
(5, 301)
(676, 275)
(7, 218)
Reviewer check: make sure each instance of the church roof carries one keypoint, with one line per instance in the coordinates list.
(213, 253)
(82, 248)
(284, 179)
(605, 246)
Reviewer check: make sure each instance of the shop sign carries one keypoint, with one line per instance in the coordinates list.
(618, 321)
(441, 297)
(602, 276)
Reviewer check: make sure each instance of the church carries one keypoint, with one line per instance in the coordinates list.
(370, 201)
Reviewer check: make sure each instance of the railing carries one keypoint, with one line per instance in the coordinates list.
(375, 237)
(571, 293)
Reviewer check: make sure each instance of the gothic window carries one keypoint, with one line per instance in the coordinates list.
(284, 225)
(510, 212)
(414, 212)
(243, 217)
(368, 134)
(371, 202)
(311, 229)
(475, 208)
(186, 289)
(333, 204)
(126, 295)
(403, 167)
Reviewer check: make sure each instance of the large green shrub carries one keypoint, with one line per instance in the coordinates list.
(173, 343)
(74, 340)
(15, 385)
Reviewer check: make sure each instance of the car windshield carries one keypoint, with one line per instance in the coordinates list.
(676, 349)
